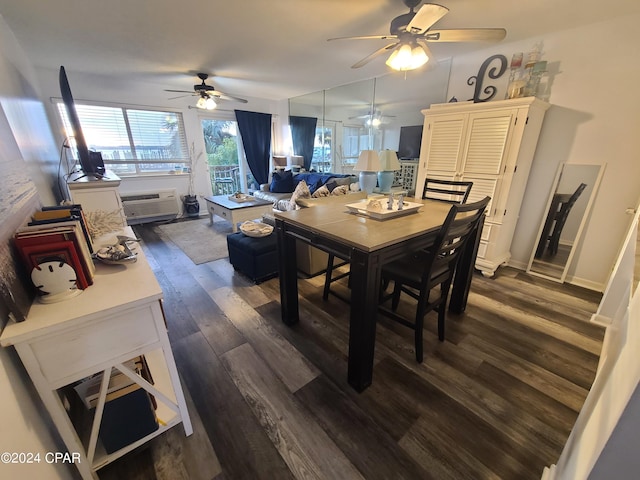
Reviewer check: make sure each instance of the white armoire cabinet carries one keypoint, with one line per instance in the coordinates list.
(491, 144)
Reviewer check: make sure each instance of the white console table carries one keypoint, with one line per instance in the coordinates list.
(116, 319)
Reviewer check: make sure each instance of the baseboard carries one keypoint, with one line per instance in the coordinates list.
(584, 283)
(518, 265)
(549, 473)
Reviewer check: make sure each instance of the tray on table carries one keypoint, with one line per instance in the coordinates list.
(241, 198)
(379, 211)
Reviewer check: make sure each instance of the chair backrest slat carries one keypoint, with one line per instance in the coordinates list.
(450, 191)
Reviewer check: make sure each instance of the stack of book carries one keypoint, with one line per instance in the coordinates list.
(58, 234)
(119, 384)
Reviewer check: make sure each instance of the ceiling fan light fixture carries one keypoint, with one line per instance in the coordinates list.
(373, 122)
(201, 103)
(407, 57)
(205, 102)
(210, 104)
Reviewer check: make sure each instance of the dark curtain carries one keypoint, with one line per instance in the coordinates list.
(303, 134)
(255, 130)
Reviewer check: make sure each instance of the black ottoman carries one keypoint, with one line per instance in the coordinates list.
(257, 258)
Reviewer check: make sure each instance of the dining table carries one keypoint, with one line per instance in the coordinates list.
(367, 243)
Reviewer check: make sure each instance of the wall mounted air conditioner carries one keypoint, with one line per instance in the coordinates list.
(154, 206)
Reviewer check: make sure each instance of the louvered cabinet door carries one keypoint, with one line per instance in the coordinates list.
(484, 155)
(443, 144)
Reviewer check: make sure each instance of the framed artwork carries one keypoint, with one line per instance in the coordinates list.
(18, 201)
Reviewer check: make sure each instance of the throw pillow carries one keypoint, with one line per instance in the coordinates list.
(331, 184)
(323, 191)
(283, 205)
(282, 182)
(301, 191)
(340, 190)
(343, 180)
(355, 187)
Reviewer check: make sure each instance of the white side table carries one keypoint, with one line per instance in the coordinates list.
(116, 319)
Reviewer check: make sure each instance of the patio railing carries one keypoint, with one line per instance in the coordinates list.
(225, 179)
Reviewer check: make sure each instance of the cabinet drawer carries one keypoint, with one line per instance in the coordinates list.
(486, 233)
(77, 351)
(219, 211)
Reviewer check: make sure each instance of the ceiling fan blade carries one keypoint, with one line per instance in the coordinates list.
(180, 91)
(226, 96)
(466, 35)
(181, 96)
(375, 54)
(365, 37)
(428, 14)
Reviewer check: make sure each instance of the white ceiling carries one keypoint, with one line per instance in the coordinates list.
(267, 49)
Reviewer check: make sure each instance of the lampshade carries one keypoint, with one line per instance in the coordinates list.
(407, 57)
(296, 160)
(368, 161)
(279, 160)
(388, 161)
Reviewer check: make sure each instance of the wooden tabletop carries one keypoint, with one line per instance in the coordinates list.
(365, 233)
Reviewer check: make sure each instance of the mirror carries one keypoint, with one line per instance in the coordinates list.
(368, 114)
(567, 211)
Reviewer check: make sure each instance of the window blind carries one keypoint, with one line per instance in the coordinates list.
(132, 141)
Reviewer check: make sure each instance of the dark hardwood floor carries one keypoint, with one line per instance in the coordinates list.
(497, 399)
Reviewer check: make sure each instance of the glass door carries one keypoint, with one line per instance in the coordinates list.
(223, 159)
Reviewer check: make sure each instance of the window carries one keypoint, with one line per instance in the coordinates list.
(356, 138)
(132, 141)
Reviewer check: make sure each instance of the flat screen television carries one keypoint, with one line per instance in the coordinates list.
(90, 162)
(410, 140)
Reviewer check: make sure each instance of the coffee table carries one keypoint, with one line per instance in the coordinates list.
(236, 212)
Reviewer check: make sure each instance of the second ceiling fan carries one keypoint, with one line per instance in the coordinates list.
(207, 93)
(411, 33)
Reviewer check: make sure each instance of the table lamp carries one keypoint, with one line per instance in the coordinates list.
(368, 164)
(279, 162)
(296, 162)
(388, 165)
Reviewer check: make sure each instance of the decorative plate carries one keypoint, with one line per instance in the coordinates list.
(256, 229)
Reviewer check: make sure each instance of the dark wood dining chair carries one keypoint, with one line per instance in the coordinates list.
(329, 277)
(420, 272)
(561, 218)
(450, 191)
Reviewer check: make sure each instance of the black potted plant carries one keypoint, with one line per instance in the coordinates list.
(190, 200)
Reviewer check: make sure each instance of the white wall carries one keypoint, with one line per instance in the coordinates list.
(23, 425)
(593, 120)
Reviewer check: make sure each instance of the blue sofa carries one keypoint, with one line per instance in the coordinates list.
(284, 183)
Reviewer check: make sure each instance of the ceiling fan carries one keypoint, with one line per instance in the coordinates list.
(411, 33)
(207, 93)
(373, 118)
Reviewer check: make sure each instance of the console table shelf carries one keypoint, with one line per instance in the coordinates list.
(115, 320)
